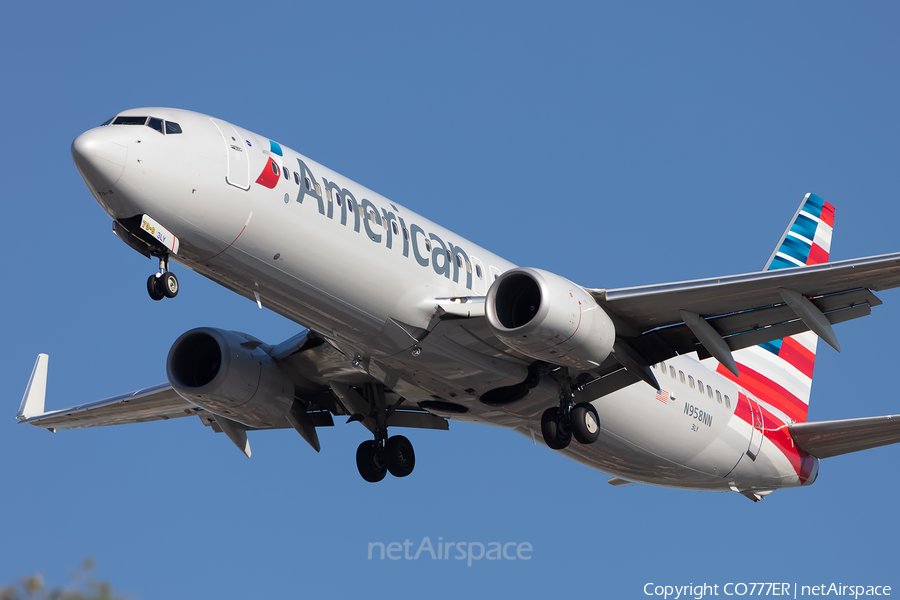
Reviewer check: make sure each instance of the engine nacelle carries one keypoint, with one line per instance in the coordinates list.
(549, 318)
(228, 374)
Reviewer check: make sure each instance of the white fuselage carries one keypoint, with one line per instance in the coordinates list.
(364, 273)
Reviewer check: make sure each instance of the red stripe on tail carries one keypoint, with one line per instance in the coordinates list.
(798, 356)
(765, 389)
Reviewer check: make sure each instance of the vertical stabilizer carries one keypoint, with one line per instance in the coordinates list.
(779, 373)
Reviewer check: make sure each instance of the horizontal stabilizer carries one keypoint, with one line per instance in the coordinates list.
(824, 439)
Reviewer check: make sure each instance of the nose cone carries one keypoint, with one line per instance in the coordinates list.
(100, 156)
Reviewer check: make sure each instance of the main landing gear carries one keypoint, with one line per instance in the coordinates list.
(162, 284)
(560, 424)
(375, 458)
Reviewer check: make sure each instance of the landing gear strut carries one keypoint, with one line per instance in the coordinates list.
(162, 284)
(375, 458)
(561, 423)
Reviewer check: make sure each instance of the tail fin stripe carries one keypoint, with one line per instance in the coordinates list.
(813, 201)
(828, 215)
(788, 377)
(798, 356)
(817, 255)
(783, 261)
(805, 226)
(795, 249)
(774, 346)
(764, 388)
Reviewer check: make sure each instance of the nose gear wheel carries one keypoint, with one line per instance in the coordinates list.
(162, 284)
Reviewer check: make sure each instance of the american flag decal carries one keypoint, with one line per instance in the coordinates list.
(662, 396)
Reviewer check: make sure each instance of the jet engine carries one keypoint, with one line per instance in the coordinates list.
(229, 374)
(547, 317)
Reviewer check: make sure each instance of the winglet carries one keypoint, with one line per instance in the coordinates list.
(33, 400)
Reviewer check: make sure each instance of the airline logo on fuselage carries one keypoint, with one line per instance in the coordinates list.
(444, 258)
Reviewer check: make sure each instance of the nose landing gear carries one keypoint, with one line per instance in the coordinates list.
(162, 284)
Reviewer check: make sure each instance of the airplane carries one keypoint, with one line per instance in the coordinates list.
(701, 385)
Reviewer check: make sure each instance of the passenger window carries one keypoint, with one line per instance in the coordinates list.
(318, 188)
(338, 198)
(709, 391)
(395, 228)
(700, 386)
(350, 204)
(275, 168)
(458, 260)
(691, 381)
(156, 124)
(296, 178)
(672, 371)
(172, 127)
(727, 401)
(468, 266)
(287, 174)
(405, 233)
(308, 184)
(662, 367)
(719, 396)
(478, 271)
(428, 244)
(681, 376)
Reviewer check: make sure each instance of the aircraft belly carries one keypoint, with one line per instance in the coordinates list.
(619, 457)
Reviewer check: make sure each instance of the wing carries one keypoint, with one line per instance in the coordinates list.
(745, 310)
(715, 316)
(156, 403)
(323, 378)
(833, 438)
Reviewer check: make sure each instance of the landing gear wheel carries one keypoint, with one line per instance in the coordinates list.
(370, 462)
(154, 289)
(399, 456)
(585, 423)
(557, 435)
(169, 284)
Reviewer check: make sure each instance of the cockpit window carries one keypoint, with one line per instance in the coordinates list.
(107, 122)
(130, 121)
(164, 127)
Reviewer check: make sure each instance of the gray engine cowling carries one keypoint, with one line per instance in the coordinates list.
(228, 374)
(547, 317)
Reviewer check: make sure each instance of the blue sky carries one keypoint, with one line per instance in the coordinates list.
(615, 144)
